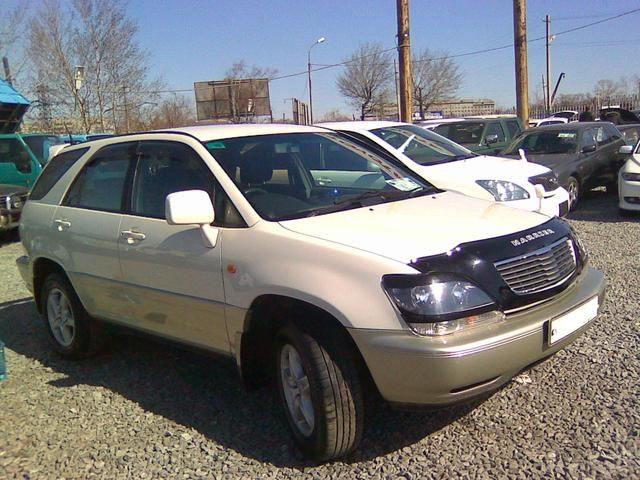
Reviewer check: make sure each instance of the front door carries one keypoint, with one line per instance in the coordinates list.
(174, 280)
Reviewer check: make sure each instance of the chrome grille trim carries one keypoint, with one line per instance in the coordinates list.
(541, 269)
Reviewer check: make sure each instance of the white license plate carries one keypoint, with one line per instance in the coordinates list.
(566, 324)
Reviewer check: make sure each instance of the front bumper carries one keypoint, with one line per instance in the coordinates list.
(414, 370)
(9, 219)
(628, 195)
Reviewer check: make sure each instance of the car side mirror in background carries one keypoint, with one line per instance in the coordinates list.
(626, 150)
(192, 207)
(589, 149)
(492, 139)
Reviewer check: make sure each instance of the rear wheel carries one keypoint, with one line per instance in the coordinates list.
(72, 332)
(573, 188)
(320, 391)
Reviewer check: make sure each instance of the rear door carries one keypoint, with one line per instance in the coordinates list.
(174, 281)
(87, 225)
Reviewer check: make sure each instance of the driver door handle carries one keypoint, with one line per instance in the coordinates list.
(132, 237)
(62, 224)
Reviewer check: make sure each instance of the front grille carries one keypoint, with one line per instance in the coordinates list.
(539, 270)
(548, 180)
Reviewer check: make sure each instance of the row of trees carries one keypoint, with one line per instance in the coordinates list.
(368, 79)
(114, 92)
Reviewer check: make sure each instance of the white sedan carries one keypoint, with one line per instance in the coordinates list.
(449, 166)
(629, 180)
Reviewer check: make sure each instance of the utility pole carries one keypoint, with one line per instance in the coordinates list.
(7, 71)
(126, 108)
(520, 48)
(404, 51)
(396, 82)
(547, 20)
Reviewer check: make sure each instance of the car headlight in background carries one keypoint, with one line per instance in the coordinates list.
(631, 177)
(440, 305)
(504, 191)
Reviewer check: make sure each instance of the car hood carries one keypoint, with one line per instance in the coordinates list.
(417, 227)
(550, 160)
(6, 189)
(484, 167)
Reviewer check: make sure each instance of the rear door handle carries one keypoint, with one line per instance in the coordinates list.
(62, 224)
(132, 236)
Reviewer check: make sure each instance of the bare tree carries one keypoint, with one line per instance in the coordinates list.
(609, 88)
(241, 71)
(366, 78)
(175, 111)
(334, 115)
(12, 25)
(436, 78)
(97, 35)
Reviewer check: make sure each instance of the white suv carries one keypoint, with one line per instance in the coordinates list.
(450, 166)
(307, 258)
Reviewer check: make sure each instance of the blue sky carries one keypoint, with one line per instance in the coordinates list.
(198, 40)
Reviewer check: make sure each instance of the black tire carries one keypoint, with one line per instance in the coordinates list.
(573, 188)
(330, 369)
(80, 340)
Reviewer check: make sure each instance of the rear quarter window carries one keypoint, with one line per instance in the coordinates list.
(55, 169)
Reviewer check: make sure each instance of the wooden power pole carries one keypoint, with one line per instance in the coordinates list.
(547, 20)
(404, 52)
(520, 47)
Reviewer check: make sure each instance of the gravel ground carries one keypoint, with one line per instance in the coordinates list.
(148, 410)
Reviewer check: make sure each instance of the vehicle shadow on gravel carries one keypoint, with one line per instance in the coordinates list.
(599, 206)
(204, 393)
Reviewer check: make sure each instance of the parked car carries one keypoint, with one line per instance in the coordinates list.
(18, 164)
(630, 133)
(629, 180)
(450, 166)
(618, 116)
(481, 135)
(12, 200)
(569, 115)
(582, 154)
(40, 143)
(225, 238)
(547, 121)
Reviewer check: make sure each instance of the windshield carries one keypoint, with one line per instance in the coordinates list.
(549, 142)
(287, 176)
(422, 146)
(465, 133)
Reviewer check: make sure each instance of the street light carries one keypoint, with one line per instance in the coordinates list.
(320, 40)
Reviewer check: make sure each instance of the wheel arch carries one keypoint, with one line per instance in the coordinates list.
(267, 314)
(42, 268)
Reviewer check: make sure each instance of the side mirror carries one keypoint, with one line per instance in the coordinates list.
(192, 207)
(626, 150)
(589, 149)
(493, 138)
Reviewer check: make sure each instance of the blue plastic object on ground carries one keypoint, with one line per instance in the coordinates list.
(3, 365)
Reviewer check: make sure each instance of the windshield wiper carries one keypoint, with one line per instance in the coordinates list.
(361, 200)
(403, 147)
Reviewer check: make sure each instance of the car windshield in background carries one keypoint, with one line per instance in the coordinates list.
(289, 176)
(422, 146)
(551, 142)
(465, 133)
(631, 135)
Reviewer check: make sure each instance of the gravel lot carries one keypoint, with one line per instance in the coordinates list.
(148, 410)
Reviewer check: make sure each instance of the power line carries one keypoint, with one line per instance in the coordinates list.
(459, 55)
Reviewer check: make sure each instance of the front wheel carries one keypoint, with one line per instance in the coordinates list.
(319, 387)
(573, 189)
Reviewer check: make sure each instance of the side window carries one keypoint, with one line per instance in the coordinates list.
(100, 185)
(613, 132)
(513, 127)
(14, 151)
(495, 129)
(168, 167)
(55, 169)
(603, 136)
(589, 137)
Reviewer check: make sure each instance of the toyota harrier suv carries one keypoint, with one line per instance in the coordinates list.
(230, 239)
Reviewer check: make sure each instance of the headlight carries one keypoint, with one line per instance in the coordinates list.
(440, 305)
(631, 177)
(504, 191)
